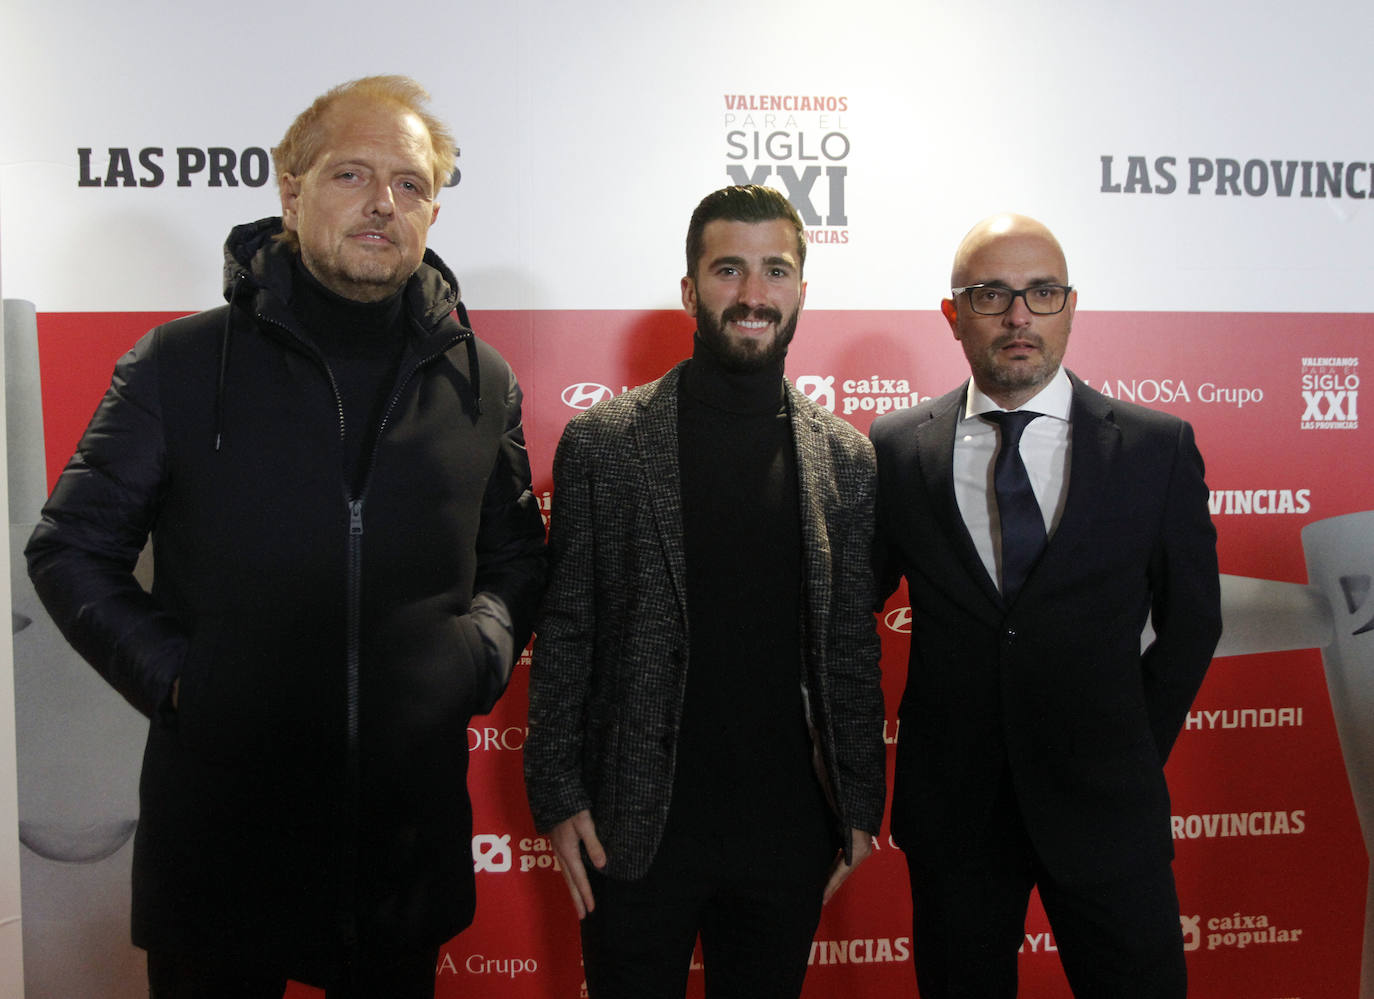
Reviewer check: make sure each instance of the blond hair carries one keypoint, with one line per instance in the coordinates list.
(299, 148)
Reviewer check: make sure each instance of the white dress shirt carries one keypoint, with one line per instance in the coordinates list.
(1045, 448)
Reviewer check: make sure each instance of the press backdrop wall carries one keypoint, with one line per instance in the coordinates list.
(1208, 167)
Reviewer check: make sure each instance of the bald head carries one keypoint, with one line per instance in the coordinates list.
(1006, 231)
(1013, 264)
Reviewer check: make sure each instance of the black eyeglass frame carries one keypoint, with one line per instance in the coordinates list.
(1015, 294)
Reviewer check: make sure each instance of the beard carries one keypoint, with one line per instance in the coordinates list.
(991, 370)
(360, 277)
(743, 355)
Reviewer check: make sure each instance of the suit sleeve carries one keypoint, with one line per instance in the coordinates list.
(82, 554)
(855, 688)
(1186, 597)
(886, 569)
(563, 648)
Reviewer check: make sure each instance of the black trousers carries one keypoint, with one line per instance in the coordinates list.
(755, 932)
(371, 975)
(1117, 940)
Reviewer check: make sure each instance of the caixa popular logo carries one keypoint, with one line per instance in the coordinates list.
(872, 394)
(585, 395)
(820, 389)
(491, 853)
(899, 620)
(495, 854)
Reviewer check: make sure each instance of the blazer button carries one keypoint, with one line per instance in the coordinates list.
(1010, 636)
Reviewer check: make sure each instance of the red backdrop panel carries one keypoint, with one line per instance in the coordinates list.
(1270, 864)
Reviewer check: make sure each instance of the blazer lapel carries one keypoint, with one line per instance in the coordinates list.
(1096, 441)
(816, 487)
(935, 454)
(655, 438)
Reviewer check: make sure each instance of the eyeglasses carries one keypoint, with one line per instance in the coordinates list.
(995, 299)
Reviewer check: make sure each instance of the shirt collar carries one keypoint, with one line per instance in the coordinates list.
(1055, 399)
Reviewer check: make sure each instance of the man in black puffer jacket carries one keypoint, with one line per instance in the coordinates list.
(348, 557)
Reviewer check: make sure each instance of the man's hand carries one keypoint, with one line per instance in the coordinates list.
(861, 845)
(568, 837)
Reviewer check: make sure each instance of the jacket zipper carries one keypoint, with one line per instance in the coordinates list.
(348, 847)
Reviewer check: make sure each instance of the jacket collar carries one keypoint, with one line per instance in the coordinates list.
(656, 442)
(1096, 443)
(257, 265)
(255, 262)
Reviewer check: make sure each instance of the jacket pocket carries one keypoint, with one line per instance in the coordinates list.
(195, 686)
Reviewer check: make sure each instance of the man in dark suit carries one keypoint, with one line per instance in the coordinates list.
(1033, 728)
(705, 734)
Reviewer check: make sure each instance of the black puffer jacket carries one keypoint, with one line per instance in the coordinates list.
(310, 786)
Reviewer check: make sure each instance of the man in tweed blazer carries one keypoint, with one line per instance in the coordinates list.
(705, 712)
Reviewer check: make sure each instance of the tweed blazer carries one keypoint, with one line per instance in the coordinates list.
(611, 652)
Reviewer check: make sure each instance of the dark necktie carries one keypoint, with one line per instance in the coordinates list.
(1023, 526)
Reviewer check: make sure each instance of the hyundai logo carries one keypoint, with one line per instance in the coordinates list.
(585, 395)
(899, 620)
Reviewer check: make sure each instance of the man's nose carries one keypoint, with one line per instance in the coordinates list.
(753, 291)
(383, 202)
(1019, 314)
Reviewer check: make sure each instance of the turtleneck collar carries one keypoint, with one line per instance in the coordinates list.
(327, 315)
(709, 382)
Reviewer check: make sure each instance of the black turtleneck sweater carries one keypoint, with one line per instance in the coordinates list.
(744, 782)
(362, 344)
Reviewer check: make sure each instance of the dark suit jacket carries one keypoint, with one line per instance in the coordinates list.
(610, 657)
(1054, 689)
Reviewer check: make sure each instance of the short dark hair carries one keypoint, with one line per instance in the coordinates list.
(750, 203)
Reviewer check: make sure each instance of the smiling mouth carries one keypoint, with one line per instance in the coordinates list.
(751, 322)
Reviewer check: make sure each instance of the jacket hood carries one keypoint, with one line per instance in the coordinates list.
(254, 260)
(260, 268)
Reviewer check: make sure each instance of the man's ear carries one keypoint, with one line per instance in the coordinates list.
(951, 314)
(289, 187)
(689, 296)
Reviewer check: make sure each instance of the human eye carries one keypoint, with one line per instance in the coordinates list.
(1043, 293)
(989, 295)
